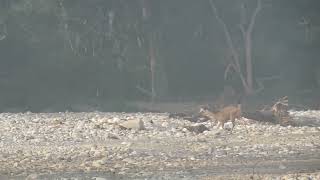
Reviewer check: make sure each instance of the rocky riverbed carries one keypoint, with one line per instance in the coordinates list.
(101, 146)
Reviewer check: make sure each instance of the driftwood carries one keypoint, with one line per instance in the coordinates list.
(262, 115)
(189, 117)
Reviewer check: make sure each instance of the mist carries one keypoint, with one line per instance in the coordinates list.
(81, 55)
(159, 89)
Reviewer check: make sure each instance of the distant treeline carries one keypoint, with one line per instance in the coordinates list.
(73, 51)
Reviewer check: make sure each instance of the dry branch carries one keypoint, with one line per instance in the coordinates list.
(254, 15)
(230, 43)
(235, 54)
(247, 81)
(144, 91)
(260, 82)
(228, 69)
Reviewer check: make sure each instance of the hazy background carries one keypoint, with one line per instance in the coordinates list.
(61, 53)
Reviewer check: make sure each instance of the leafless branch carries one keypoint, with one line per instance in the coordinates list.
(243, 20)
(243, 32)
(243, 80)
(260, 86)
(260, 82)
(228, 69)
(2, 37)
(246, 33)
(71, 45)
(248, 47)
(144, 91)
(253, 17)
(227, 34)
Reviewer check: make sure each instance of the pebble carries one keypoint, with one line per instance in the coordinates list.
(281, 166)
(94, 141)
(32, 177)
(99, 178)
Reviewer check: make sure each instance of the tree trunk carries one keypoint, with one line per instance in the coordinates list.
(248, 47)
(152, 59)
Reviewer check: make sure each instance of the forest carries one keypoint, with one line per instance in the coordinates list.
(57, 53)
(160, 89)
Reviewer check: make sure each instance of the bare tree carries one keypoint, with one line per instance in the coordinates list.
(158, 79)
(146, 13)
(246, 27)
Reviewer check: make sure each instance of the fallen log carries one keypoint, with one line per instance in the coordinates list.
(264, 116)
(277, 114)
(189, 117)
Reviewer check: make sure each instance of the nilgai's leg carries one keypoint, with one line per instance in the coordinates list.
(222, 124)
(219, 125)
(233, 120)
(233, 123)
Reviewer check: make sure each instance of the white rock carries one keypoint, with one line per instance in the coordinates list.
(165, 124)
(97, 164)
(281, 166)
(99, 178)
(32, 177)
(228, 125)
(128, 160)
(179, 134)
(114, 120)
(135, 124)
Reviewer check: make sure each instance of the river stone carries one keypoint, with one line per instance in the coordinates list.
(135, 124)
(197, 128)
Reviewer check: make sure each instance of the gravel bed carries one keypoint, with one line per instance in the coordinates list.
(99, 145)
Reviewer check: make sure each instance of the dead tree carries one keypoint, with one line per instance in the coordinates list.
(158, 78)
(246, 31)
(146, 13)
